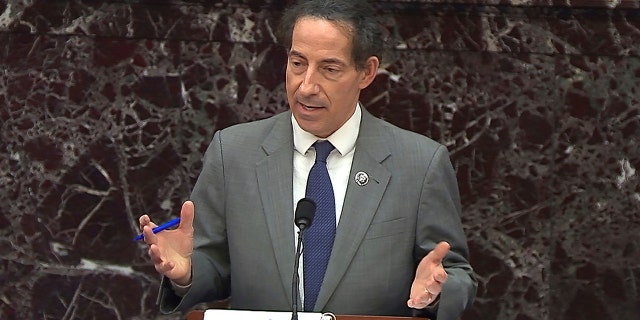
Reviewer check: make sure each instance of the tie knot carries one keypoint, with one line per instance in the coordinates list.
(323, 148)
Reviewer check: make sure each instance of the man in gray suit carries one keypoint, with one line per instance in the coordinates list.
(399, 246)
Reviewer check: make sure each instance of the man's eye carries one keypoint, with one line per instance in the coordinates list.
(296, 63)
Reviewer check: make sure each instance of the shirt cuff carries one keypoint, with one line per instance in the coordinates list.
(179, 290)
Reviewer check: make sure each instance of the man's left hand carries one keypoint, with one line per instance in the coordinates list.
(430, 276)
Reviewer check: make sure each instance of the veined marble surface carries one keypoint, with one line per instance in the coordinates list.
(106, 108)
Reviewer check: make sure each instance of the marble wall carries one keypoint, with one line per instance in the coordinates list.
(106, 108)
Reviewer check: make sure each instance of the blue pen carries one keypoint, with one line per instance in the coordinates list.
(159, 228)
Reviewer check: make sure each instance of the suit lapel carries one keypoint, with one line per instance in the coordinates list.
(275, 182)
(360, 203)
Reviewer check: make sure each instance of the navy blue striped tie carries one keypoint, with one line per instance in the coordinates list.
(318, 239)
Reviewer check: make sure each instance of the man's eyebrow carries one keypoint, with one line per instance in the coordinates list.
(334, 61)
(296, 53)
(325, 61)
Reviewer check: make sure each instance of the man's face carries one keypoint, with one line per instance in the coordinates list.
(323, 84)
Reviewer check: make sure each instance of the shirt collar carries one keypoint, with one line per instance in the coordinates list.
(344, 139)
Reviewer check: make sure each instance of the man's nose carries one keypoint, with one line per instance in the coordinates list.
(309, 85)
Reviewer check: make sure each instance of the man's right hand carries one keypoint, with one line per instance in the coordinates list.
(170, 250)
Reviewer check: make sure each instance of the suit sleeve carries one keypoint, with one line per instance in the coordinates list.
(439, 219)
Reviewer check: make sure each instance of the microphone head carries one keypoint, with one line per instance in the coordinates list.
(305, 210)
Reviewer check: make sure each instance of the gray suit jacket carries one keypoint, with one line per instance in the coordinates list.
(244, 234)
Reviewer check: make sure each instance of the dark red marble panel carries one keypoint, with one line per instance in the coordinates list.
(107, 106)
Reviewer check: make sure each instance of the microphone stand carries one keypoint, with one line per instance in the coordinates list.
(295, 284)
(305, 210)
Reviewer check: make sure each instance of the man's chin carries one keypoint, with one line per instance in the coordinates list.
(314, 130)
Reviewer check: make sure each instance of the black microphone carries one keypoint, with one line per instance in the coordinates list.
(305, 210)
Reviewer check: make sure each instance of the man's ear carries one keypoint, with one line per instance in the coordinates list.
(370, 71)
